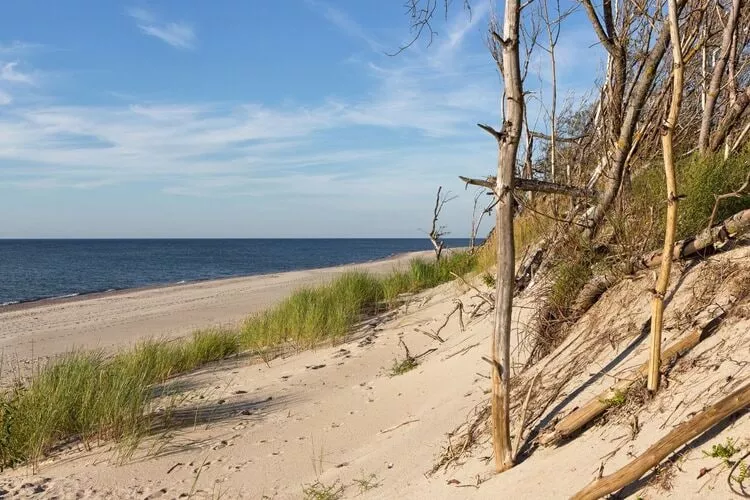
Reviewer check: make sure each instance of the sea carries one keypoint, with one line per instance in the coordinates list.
(33, 270)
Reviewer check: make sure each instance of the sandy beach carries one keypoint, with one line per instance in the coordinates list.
(111, 320)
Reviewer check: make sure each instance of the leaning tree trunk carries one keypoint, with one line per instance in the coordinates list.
(718, 76)
(508, 141)
(657, 305)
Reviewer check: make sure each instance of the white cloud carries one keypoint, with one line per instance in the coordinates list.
(9, 73)
(177, 34)
(5, 98)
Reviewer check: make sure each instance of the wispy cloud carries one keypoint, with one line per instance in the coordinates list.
(18, 47)
(177, 34)
(423, 114)
(9, 73)
(5, 98)
(345, 23)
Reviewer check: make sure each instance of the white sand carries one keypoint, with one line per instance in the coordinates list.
(334, 415)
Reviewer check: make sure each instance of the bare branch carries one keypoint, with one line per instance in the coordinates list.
(494, 133)
(534, 185)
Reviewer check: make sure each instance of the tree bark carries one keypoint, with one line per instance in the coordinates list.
(657, 304)
(508, 142)
(729, 120)
(717, 76)
(682, 434)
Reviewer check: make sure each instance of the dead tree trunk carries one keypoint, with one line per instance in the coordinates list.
(507, 141)
(625, 113)
(437, 232)
(657, 305)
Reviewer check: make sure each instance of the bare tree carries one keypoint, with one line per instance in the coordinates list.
(553, 28)
(476, 218)
(437, 231)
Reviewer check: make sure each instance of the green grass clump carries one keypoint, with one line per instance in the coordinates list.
(86, 396)
(326, 312)
(405, 365)
(617, 399)
(320, 491)
(698, 180)
(312, 314)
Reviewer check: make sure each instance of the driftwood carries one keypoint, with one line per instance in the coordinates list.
(680, 435)
(485, 297)
(705, 241)
(586, 414)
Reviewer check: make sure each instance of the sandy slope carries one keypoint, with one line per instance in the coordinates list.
(334, 415)
(109, 320)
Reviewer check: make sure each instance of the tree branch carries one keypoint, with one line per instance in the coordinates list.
(494, 133)
(534, 185)
(545, 137)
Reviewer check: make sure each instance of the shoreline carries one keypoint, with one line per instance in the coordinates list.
(112, 292)
(112, 320)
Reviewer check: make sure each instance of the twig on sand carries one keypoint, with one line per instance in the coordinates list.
(460, 308)
(485, 297)
(433, 336)
(428, 351)
(462, 351)
(391, 429)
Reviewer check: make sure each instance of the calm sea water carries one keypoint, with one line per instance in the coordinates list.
(38, 269)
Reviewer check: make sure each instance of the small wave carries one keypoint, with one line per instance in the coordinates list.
(66, 296)
(9, 303)
(182, 282)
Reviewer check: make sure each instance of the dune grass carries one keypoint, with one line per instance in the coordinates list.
(331, 311)
(698, 180)
(89, 397)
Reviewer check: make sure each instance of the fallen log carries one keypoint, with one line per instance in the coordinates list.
(707, 240)
(680, 435)
(584, 415)
(710, 238)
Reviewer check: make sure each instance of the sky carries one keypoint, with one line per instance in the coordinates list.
(249, 118)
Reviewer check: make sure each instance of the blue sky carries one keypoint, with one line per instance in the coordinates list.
(247, 118)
